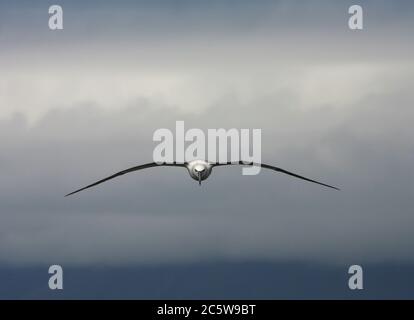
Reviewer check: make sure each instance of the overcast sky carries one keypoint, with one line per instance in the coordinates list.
(80, 104)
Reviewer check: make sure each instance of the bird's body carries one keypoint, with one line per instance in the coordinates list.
(199, 170)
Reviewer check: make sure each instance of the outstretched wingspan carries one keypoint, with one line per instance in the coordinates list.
(275, 169)
(136, 168)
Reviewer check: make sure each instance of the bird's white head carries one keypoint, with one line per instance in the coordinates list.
(199, 170)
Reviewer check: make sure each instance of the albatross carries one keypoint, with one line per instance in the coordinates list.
(199, 170)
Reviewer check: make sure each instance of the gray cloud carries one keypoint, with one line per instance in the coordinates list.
(160, 215)
(334, 105)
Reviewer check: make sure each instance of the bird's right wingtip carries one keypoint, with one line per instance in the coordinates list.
(69, 194)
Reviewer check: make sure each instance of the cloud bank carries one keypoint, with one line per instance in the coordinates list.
(326, 110)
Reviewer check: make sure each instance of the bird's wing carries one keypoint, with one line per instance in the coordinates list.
(275, 169)
(140, 167)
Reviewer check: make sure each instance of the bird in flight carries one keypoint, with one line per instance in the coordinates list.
(199, 170)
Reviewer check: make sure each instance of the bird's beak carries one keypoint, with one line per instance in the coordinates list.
(199, 178)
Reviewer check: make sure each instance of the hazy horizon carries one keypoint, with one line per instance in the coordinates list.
(80, 104)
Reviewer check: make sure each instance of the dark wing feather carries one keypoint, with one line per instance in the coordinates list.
(275, 169)
(140, 167)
